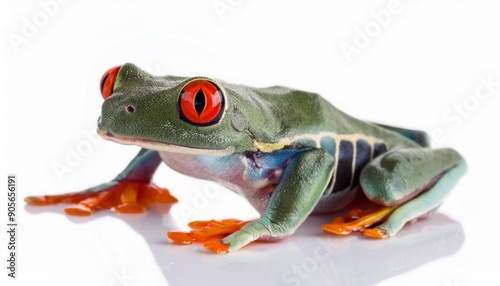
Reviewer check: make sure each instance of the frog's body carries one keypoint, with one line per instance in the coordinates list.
(289, 152)
(256, 174)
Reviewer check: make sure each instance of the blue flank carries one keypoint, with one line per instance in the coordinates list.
(259, 164)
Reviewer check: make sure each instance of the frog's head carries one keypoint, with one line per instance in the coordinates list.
(174, 114)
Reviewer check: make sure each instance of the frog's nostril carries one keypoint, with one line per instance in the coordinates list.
(130, 109)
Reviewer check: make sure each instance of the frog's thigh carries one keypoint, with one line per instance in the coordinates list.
(413, 179)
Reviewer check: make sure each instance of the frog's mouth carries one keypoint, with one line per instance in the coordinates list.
(164, 147)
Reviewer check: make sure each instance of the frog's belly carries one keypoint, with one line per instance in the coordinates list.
(253, 176)
(230, 171)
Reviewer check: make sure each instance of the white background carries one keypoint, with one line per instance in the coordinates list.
(412, 71)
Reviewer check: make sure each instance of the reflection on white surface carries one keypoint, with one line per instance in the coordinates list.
(309, 257)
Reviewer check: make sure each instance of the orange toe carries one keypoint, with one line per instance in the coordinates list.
(375, 232)
(216, 246)
(180, 237)
(36, 200)
(336, 229)
(78, 210)
(56, 199)
(151, 194)
(130, 208)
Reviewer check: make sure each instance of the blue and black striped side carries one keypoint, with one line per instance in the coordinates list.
(349, 166)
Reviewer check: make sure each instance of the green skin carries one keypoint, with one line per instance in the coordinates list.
(270, 122)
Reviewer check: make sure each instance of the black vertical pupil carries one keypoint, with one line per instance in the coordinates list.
(105, 78)
(199, 101)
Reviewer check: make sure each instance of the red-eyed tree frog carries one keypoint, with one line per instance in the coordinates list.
(289, 152)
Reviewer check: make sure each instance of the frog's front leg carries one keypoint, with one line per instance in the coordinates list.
(130, 192)
(407, 183)
(303, 181)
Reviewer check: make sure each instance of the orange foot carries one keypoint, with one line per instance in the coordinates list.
(357, 220)
(209, 232)
(123, 197)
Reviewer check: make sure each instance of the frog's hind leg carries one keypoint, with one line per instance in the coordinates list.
(407, 183)
(130, 192)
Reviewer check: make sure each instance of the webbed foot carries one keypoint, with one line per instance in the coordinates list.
(210, 233)
(360, 221)
(121, 196)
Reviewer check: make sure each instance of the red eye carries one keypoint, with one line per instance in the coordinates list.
(201, 102)
(108, 81)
